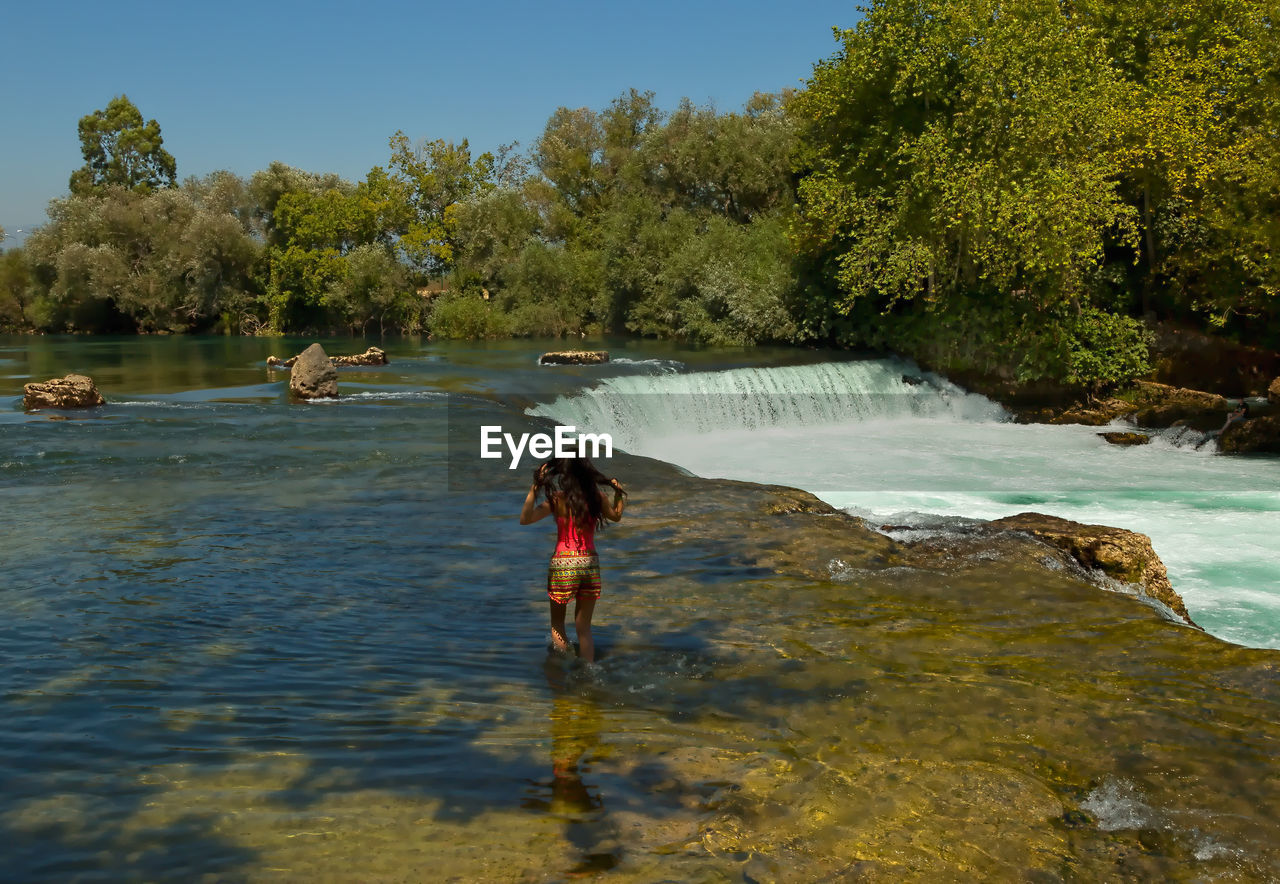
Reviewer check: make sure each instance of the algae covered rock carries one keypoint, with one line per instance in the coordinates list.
(1160, 405)
(1121, 438)
(574, 357)
(1261, 435)
(371, 356)
(1095, 414)
(72, 391)
(313, 375)
(1123, 555)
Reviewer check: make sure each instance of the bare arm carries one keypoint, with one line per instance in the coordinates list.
(532, 511)
(613, 511)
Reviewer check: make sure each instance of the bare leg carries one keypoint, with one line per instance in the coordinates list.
(582, 612)
(558, 639)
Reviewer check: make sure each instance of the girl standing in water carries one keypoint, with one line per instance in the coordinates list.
(570, 487)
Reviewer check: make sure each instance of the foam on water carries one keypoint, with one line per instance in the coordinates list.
(889, 443)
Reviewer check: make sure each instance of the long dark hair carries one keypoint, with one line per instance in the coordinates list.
(574, 481)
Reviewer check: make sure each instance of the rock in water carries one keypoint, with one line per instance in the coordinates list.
(372, 356)
(1273, 392)
(1163, 406)
(574, 357)
(313, 375)
(73, 391)
(1126, 556)
(1095, 414)
(1256, 436)
(1126, 438)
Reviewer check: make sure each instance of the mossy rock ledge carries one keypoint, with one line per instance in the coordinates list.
(574, 357)
(72, 391)
(1160, 405)
(1121, 438)
(1123, 555)
(1259, 435)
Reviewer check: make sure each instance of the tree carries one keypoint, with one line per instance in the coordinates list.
(15, 284)
(121, 260)
(960, 162)
(435, 177)
(120, 150)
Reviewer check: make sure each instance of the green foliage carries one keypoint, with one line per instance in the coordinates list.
(1104, 349)
(664, 226)
(128, 260)
(375, 289)
(990, 163)
(434, 178)
(15, 291)
(467, 316)
(121, 150)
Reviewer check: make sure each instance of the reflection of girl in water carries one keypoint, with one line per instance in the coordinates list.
(570, 487)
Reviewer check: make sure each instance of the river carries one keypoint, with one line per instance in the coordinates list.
(256, 640)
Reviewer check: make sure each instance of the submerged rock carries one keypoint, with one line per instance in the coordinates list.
(1260, 435)
(313, 375)
(72, 391)
(1123, 555)
(1120, 438)
(574, 357)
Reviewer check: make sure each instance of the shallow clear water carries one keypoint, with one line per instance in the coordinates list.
(262, 641)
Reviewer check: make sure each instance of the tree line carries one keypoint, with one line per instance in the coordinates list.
(1011, 187)
(1008, 186)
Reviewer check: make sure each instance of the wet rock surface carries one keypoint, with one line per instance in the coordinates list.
(72, 391)
(1124, 439)
(1160, 405)
(313, 376)
(574, 357)
(1123, 555)
(371, 356)
(959, 707)
(1091, 414)
(1259, 435)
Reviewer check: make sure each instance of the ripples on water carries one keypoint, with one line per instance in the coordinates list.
(254, 640)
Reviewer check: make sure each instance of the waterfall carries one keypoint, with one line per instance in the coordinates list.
(885, 441)
(639, 409)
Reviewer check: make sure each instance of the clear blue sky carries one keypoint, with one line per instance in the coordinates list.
(322, 86)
